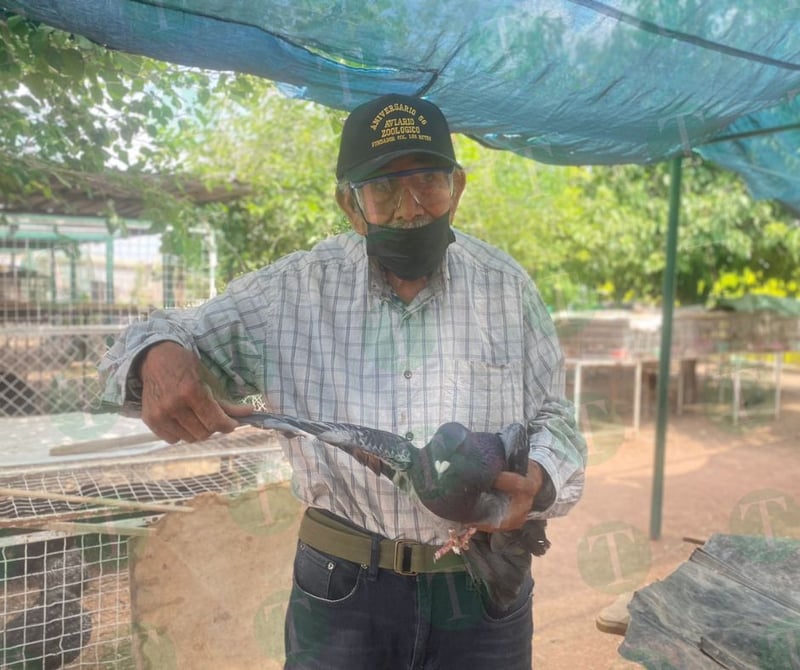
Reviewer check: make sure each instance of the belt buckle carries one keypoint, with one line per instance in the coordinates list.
(400, 557)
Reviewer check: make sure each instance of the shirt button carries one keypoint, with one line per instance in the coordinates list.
(409, 436)
(407, 374)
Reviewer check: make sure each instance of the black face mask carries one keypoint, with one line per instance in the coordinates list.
(410, 253)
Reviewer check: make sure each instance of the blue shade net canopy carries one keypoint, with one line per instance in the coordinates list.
(576, 82)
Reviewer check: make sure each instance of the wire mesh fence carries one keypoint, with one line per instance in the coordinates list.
(64, 531)
(62, 602)
(46, 274)
(67, 513)
(62, 305)
(49, 369)
(696, 333)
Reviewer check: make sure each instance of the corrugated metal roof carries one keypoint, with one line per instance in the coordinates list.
(100, 195)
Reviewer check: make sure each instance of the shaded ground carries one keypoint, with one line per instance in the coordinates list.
(720, 478)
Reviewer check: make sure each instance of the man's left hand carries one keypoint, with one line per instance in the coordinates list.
(521, 491)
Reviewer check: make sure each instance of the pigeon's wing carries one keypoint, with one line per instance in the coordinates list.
(501, 573)
(515, 440)
(394, 451)
(499, 561)
(532, 534)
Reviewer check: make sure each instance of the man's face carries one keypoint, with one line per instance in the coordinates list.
(408, 192)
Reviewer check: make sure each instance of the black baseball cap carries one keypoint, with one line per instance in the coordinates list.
(389, 127)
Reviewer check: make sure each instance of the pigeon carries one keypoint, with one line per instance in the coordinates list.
(49, 635)
(52, 631)
(451, 476)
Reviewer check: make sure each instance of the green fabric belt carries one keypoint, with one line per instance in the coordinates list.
(325, 534)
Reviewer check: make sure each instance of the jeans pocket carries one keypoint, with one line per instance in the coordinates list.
(323, 576)
(521, 604)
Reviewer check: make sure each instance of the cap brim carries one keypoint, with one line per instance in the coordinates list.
(371, 168)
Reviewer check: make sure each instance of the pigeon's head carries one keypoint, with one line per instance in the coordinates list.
(445, 444)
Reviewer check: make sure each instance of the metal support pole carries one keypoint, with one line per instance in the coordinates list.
(637, 397)
(666, 346)
(778, 366)
(110, 271)
(211, 241)
(53, 278)
(73, 276)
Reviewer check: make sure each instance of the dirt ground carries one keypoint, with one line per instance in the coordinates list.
(720, 478)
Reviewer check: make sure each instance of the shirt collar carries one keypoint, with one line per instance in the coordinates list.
(379, 286)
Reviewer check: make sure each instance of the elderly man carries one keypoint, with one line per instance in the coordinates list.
(401, 324)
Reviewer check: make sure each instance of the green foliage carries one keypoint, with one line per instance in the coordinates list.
(69, 107)
(284, 151)
(596, 235)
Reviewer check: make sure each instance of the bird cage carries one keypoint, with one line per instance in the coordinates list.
(764, 331)
(700, 333)
(595, 335)
(49, 369)
(67, 514)
(66, 291)
(703, 333)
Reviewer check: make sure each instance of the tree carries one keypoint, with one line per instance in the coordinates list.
(285, 151)
(69, 107)
(593, 235)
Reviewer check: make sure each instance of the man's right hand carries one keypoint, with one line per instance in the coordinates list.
(178, 396)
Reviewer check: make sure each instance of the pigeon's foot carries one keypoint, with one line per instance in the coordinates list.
(457, 543)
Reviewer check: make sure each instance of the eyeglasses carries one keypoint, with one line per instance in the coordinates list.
(379, 198)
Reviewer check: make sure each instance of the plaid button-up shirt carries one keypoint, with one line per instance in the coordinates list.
(321, 336)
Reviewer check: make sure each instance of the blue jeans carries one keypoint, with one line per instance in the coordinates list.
(345, 616)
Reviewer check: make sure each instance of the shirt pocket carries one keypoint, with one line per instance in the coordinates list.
(484, 396)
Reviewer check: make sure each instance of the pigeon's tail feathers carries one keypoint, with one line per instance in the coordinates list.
(500, 561)
(515, 441)
(532, 537)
